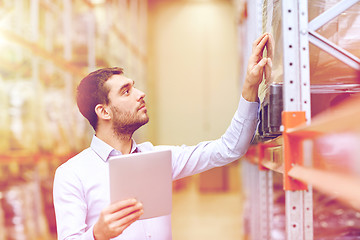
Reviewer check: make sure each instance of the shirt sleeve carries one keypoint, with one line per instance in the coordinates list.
(189, 160)
(70, 206)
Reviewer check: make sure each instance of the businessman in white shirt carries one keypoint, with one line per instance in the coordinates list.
(116, 109)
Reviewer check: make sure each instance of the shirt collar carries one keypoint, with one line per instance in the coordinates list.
(103, 150)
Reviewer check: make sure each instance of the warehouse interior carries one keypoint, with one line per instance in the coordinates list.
(190, 59)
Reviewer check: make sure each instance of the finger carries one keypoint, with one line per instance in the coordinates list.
(131, 222)
(262, 63)
(116, 206)
(257, 51)
(122, 228)
(126, 211)
(128, 220)
(133, 217)
(118, 227)
(258, 40)
(269, 62)
(258, 68)
(268, 70)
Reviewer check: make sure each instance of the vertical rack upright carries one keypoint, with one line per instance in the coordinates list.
(297, 110)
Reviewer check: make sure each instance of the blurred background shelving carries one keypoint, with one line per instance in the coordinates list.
(47, 48)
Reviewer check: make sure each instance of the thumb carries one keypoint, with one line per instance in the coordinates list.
(260, 65)
(268, 70)
(269, 62)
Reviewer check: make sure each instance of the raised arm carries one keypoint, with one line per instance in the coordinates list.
(189, 160)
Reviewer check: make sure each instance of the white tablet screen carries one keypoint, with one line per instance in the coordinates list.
(146, 177)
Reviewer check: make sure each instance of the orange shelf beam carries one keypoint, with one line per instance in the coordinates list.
(344, 186)
(267, 155)
(344, 117)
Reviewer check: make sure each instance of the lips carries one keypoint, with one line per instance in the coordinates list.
(142, 106)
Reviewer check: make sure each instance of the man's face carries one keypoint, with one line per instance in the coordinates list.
(127, 105)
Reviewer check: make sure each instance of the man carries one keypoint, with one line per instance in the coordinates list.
(116, 109)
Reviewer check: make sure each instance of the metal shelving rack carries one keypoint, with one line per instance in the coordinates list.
(291, 153)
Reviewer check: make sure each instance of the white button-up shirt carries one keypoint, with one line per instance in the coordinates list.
(81, 185)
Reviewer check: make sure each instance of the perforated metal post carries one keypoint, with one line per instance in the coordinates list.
(266, 195)
(255, 196)
(265, 203)
(296, 98)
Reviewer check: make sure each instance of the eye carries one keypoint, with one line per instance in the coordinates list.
(126, 91)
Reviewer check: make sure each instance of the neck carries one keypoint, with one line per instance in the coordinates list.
(121, 142)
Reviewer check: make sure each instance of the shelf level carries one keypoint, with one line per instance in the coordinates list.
(344, 186)
(344, 117)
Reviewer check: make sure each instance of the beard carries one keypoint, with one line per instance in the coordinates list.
(126, 123)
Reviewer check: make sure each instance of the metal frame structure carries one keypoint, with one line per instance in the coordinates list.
(327, 45)
(296, 151)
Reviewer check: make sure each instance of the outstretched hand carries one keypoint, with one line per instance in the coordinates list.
(256, 67)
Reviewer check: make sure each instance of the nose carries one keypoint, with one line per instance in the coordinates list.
(141, 95)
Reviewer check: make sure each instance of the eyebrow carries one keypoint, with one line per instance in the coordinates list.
(127, 85)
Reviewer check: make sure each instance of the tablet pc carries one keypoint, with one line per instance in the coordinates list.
(146, 177)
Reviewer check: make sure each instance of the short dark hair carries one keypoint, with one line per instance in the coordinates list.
(92, 91)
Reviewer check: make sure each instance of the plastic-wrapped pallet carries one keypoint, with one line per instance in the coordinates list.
(343, 31)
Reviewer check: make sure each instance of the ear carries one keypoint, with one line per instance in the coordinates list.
(102, 112)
